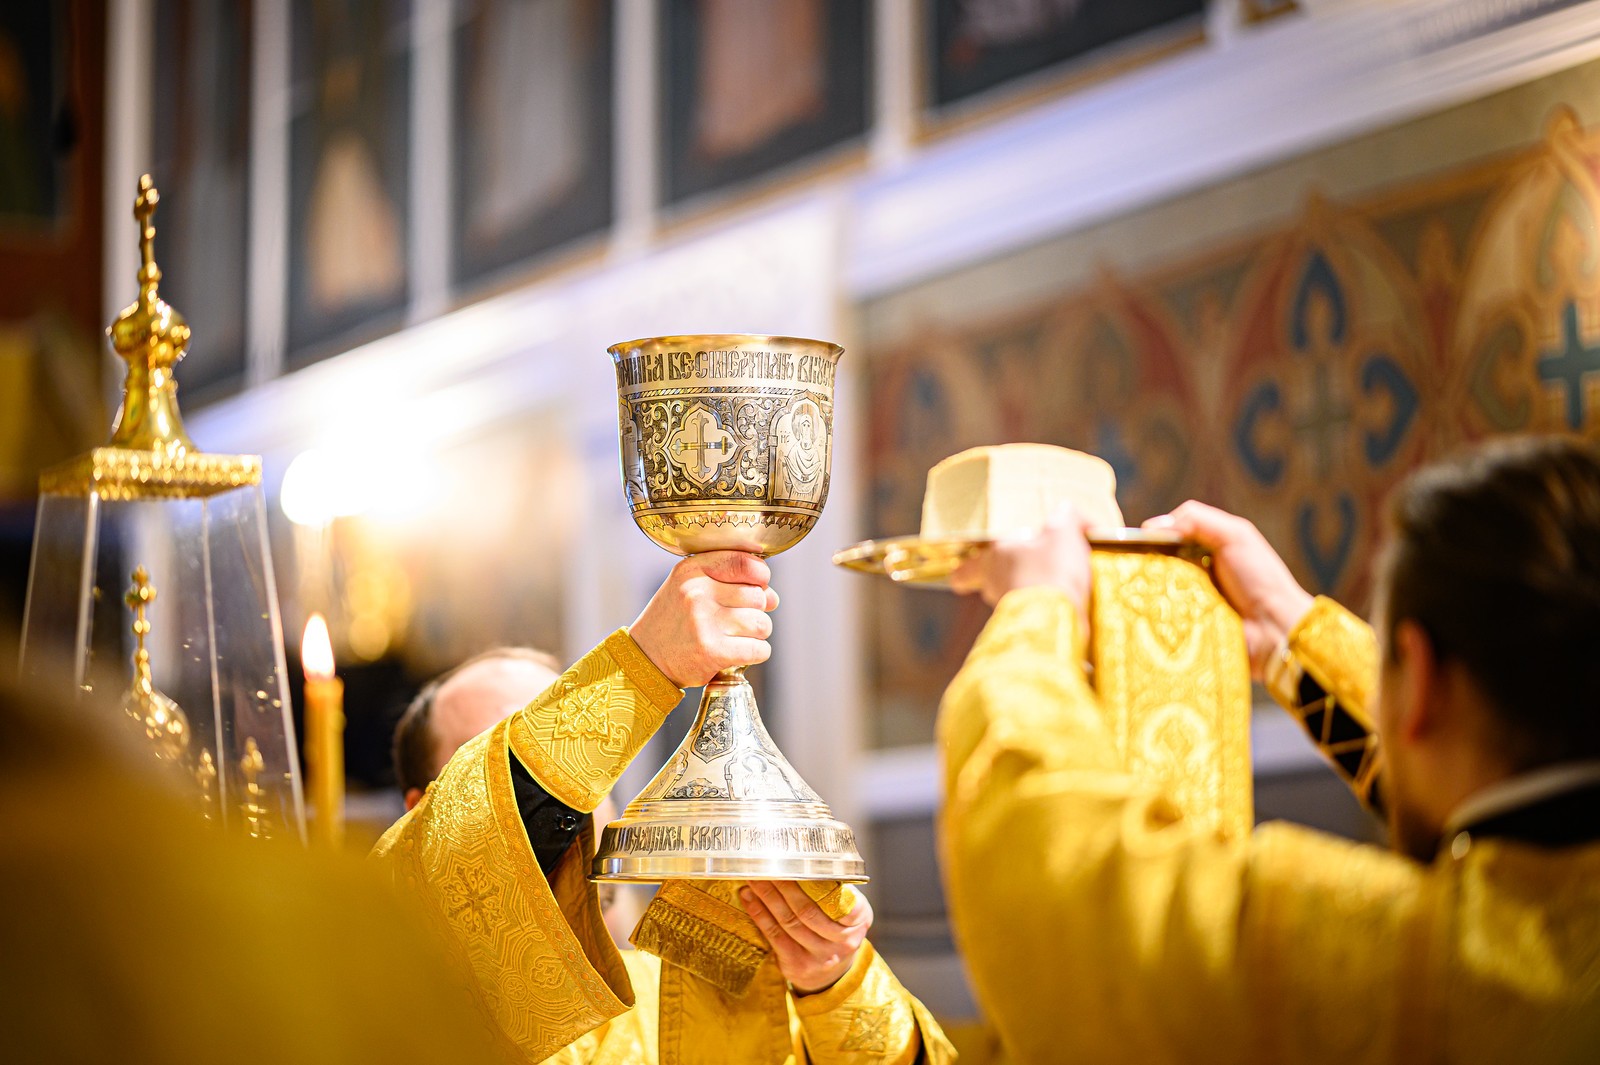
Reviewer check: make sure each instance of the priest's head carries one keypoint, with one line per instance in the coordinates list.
(1487, 611)
(463, 703)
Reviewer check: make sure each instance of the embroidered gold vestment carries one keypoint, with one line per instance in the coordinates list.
(545, 969)
(1108, 913)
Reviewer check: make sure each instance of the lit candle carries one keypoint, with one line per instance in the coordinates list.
(324, 733)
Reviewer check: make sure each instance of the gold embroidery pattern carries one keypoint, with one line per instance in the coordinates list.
(464, 853)
(689, 925)
(579, 735)
(471, 900)
(868, 1018)
(1172, 673)
(869, 1031)
(640, 671)
(583, 712)
(701, 926)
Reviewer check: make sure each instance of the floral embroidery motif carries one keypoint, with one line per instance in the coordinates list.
(583, 712)
(548, 973)
(868, 1032)
(471, 900)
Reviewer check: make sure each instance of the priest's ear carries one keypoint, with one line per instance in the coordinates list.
(413, 796)
(1414, 702)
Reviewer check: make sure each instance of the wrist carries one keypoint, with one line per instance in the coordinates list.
(654, 649)
(802, 991)
(828, 981)
(1286, 609)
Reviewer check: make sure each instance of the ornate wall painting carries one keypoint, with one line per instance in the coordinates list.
(533, 120)
(200, 140)
(1287, 345)
(349, 150)
(972, 47)
(748, 88)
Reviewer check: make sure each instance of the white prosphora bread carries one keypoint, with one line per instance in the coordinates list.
(1009, 489)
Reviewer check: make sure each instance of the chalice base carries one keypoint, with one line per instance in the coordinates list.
(728, 806)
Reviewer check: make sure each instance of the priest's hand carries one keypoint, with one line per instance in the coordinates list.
(813, 950)
(1055, 557)
(1249, 572)
(709, 615)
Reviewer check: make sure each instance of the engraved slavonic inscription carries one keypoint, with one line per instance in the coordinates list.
(818, 839)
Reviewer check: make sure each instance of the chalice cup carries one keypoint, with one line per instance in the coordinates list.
(726, 441)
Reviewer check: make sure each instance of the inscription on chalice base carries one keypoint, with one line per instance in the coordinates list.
(679, 838)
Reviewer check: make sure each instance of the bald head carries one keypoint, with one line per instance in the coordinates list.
(462, 704)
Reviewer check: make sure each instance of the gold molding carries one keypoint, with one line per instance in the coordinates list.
(120, 473)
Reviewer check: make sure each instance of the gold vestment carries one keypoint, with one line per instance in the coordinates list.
(545, 968)
(133, 931)
(1102, 923)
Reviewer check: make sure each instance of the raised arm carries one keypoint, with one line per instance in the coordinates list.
(498, 848)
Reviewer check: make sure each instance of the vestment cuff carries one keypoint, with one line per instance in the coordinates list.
(1329, 667)
(1338, 651)
(581, 733)
(702, 927)
(865, 1017)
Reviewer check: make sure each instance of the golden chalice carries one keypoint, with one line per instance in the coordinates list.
(726, 441)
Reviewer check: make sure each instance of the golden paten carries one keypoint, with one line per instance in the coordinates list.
(726, 445)
(150, 456)
(923, 562)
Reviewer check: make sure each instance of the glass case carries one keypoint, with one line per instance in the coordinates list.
(151, 587)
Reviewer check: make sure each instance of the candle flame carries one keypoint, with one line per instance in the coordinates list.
(316, 649)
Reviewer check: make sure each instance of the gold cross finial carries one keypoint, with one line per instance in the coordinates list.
(257, 816)
(144, 210)
(152, 336)
(140, 596)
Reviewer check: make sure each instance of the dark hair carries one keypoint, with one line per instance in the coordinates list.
(413, 734)
(1496, 555)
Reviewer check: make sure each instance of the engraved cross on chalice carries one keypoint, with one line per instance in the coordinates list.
(699, 435)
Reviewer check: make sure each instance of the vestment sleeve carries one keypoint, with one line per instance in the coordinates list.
(545, 968)
(1324, 676)
(868, 1018)
(724, 999)
(1099, 922)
